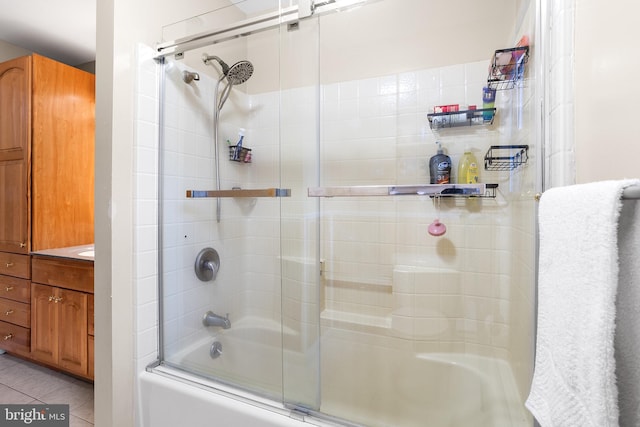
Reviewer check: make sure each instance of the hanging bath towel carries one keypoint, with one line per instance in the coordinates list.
(574, 382)
(627, 339)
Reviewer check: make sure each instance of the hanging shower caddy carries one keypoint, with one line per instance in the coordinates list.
(507, 67)
(242, 155)
(506, 157)
(453, 119)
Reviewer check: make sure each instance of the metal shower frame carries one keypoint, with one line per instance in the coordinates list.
(304, 9)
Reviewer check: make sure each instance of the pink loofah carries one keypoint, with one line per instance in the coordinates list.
(436, 228)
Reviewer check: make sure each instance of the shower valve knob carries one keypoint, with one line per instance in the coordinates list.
(207, 264)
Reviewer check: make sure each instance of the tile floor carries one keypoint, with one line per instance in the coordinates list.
(24, 382)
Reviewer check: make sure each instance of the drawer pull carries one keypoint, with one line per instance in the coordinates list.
(8, 288)
(9, 264)
(55, 299)
(59, 299)
(51, 298)
(23, 245)
(8, 313)
(8, 337)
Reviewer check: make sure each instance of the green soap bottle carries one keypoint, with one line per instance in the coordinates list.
(468, 168)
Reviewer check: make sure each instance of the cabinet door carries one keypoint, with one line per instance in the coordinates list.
(15, 146)
(72, 331)
(44, 324)
(62, 157)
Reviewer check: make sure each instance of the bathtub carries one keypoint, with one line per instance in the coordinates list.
(398, 390)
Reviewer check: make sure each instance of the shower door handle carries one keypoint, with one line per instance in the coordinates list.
(264, 192)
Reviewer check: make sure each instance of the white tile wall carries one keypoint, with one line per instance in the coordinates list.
(560, 147)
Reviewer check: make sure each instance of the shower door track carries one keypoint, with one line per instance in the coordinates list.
(306, 9)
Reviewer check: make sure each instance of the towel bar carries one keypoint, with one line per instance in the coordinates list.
(631, 193)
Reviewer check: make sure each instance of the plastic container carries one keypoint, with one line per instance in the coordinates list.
(440, 167)
(488, 101)
(468, 171)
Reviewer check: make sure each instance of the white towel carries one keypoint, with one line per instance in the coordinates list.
(574, 381)
(627, 338)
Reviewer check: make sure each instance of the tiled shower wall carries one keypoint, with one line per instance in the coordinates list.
(381, 268)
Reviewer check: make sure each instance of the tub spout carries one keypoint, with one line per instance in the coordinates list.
(212, 319)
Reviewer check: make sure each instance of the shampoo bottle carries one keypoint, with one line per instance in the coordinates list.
(440, 167)
(468, 168)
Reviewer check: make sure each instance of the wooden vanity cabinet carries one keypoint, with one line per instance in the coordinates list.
(61, 303)
(47, 138)
(15, 315)
(15, 303)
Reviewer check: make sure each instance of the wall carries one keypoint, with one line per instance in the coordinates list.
(560, 150)
(121, 25)
(606, 90)
(10, 51)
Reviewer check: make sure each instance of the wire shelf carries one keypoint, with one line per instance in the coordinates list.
(482, 116)
(507, 67)
(242, 154)
(506, 157)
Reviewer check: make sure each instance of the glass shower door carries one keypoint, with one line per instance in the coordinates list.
(254, 324)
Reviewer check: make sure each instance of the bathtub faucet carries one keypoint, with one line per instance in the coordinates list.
(212, 319)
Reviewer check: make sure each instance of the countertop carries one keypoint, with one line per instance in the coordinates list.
(82, 252)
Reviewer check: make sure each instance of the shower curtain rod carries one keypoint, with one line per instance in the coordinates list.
(305, 9)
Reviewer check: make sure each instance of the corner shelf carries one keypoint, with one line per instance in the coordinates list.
(506, 157)
(507, 67)
(465, 118)
(431, 190)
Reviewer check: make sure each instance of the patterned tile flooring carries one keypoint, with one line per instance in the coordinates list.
(24, 382)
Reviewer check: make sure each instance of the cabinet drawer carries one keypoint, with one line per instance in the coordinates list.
(15, 312)
(15, 289)
(15, 265)
(14, 338)
(63, 273)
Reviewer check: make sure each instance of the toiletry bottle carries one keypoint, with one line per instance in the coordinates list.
(440, 167)
(488, 101)
(468, 168)
(238, 150)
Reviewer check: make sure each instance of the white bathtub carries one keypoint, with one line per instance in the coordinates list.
(251, 356)
(369, 385)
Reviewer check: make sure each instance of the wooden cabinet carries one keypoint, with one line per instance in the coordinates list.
(47, 127)
(15, 315)
(15, 304)
(47, 133)
(61, 306)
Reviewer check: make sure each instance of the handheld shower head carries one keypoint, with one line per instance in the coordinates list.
(240, 72)
(237, 74)
(207, 59)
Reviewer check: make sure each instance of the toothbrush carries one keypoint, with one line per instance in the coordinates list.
(238, 151)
